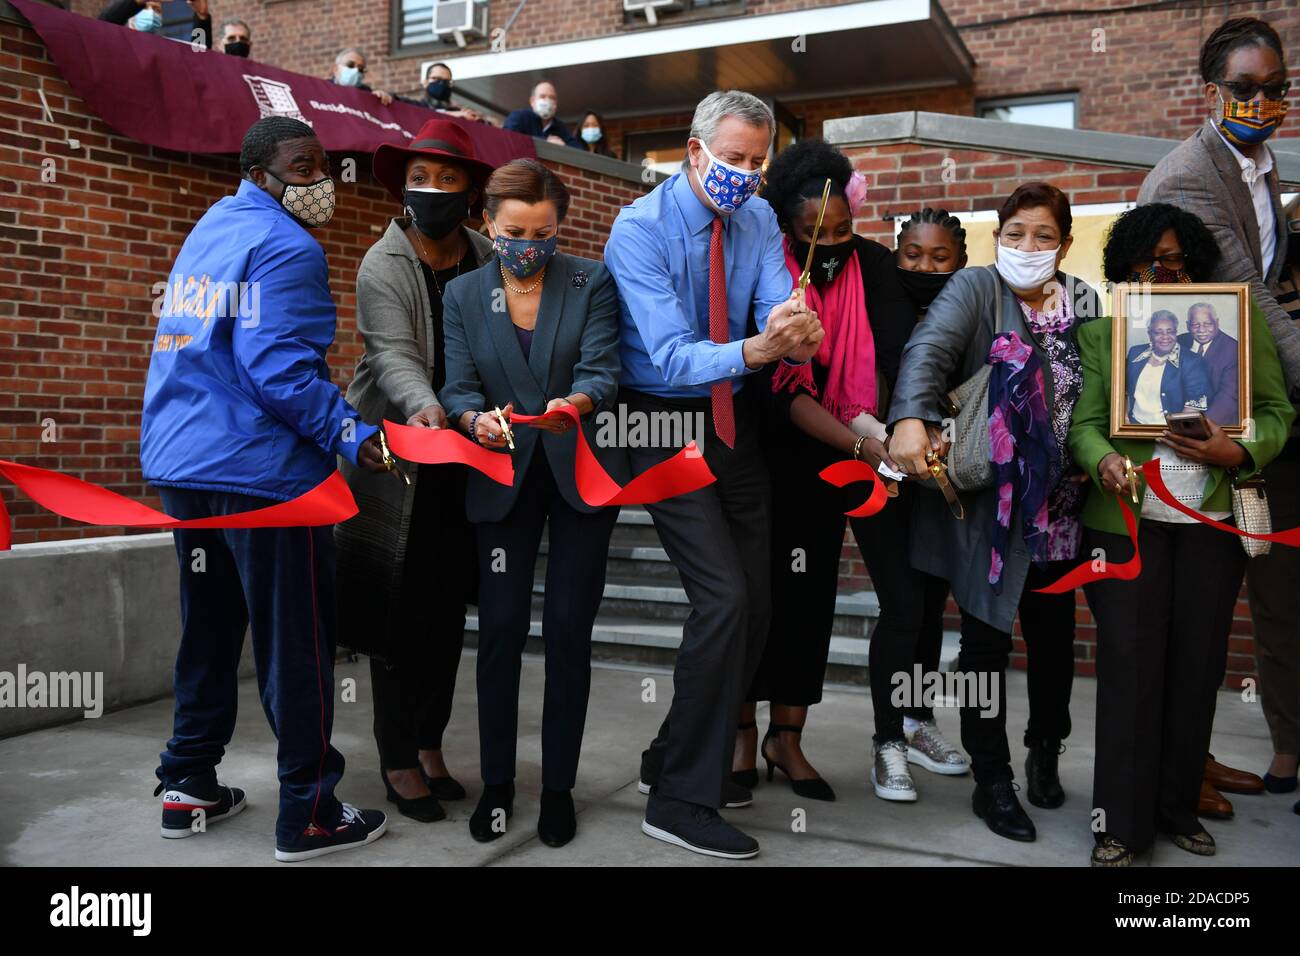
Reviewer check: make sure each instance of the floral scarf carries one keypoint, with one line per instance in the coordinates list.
(1021, 447)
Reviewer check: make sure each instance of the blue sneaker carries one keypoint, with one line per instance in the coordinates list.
(186, 803)
(356, 828)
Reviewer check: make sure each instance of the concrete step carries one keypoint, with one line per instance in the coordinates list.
(654, 641)
(855, 611)
(627, 565)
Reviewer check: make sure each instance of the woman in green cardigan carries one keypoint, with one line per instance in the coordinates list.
(1162, 637)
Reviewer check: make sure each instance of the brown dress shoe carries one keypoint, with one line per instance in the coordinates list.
(1229, 780)
(1212, 803)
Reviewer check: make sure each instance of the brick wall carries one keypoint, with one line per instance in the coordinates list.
(79, 257)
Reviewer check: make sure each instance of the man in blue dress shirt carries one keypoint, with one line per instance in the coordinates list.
(706, 299)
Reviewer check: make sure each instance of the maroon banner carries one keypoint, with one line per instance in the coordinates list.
(166, 93)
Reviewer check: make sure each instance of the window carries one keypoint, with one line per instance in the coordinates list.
(664, 148)
(415, 23)
(1059, 110)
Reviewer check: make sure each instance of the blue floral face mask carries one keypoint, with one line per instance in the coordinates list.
(524, 257)
(727, 187)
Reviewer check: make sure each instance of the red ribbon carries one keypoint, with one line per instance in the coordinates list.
(328, 503)
(846, 472)
(681, 474)
(443, 446)
(1128, 570)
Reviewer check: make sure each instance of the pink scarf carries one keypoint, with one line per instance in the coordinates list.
(848, 350)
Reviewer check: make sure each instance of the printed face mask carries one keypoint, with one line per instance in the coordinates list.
(1156, 273)
(544, 107)
(828, 260)
(922, 287)
(727, 187)
(1249, 123)
(1026, 270)
(312, 205)
(524, 257)
(436, 212)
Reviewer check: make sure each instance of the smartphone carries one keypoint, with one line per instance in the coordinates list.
(1189, 424)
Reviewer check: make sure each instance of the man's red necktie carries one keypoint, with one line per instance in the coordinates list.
(724, 413)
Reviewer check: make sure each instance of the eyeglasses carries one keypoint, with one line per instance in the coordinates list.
(1244, 92)
(1172, 261)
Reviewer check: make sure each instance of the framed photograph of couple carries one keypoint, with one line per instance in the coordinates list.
(1179, 348)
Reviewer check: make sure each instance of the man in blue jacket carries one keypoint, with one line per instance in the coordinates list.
(240, 413)
(540, 118)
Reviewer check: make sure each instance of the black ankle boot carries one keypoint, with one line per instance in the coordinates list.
(997, 805)
(499, 796)
(1041, 778)
(558, 821)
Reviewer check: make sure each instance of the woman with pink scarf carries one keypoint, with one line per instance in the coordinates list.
(821, 412)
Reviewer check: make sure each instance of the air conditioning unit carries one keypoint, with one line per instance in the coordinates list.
(460, 20)
(649, 8)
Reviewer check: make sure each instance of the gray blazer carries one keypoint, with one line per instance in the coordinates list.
(947, 347)
(393, 380)
(1201, 176)
(574, 349)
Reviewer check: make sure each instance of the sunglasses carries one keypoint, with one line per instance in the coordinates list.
(1244, 92)
(1173, 262)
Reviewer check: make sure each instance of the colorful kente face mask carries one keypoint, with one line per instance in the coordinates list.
(524, 257)
(1247, 124)
(1158, 274)
(727, 187)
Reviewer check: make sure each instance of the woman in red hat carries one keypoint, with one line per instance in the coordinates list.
(406, 561)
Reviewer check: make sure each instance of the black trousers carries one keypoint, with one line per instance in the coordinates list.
(413, 691)
(1162, 640)
(1047, 623)
(806, 545)
(575, 583)
(719, 538)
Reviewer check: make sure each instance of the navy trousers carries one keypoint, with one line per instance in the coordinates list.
(281, 581)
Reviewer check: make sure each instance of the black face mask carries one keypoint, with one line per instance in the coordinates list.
(438, 89)
(828, 260)
(237, 48)
(922, 287)
(436, 214)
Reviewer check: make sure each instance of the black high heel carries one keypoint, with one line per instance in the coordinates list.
(746, 778)
(426, 809)
(814, 789)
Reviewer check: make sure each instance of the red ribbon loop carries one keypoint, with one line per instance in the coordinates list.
(846, 472)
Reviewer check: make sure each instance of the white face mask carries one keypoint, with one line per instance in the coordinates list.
(544, 107)
(1026, 270)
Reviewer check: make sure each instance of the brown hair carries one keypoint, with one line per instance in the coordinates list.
(1034, 195)
(526, 180)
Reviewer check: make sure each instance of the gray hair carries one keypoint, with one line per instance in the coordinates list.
(236, 22)
(719, 104)
(338, 60)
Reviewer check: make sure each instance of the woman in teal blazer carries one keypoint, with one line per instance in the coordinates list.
(1162, 638)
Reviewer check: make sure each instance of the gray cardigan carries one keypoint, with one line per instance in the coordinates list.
(574, 349)
(947, 347)
(393, 380)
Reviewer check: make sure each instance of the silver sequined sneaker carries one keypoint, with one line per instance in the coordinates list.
(928, 748)
(889, 774)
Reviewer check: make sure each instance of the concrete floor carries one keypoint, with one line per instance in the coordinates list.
(80, 794)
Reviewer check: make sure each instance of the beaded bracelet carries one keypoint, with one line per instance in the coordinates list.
(473, 428)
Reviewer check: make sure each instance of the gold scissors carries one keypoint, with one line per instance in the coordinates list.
(390, 463)
(806, 277)
(1131, 474)
(505, 427)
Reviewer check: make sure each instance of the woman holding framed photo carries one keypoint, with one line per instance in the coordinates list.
(1162, 637)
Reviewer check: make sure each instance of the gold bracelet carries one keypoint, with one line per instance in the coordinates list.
(857, 447)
